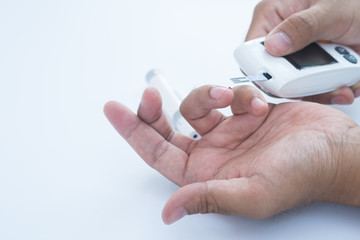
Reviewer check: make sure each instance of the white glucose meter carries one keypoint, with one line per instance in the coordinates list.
(317, 68)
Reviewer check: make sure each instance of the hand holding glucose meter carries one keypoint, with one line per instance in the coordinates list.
(317, 68)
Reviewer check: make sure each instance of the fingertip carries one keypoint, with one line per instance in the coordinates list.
(174, 209)
(219, 92)
(357, 93)
(120, 117)
(248, 99)
(150, 107)
(151, 90)
(150, 94)
(278, 43)
(181, 202)
(341, 100)
(259, 107)
(174, 215)
(108, 107)
(342, 96)
(356, 89)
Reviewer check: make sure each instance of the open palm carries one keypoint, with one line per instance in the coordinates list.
(258, 162)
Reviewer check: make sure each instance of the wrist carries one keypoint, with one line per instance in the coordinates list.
(346, 187)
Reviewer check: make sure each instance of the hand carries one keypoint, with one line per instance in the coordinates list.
(262, 160)
(291, 25)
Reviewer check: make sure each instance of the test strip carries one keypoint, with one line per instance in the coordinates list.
(253, 78)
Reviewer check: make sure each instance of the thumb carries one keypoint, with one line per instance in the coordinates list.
(239, 196)
(297, 31)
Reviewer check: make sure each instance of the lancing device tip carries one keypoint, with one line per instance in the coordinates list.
(171, 103)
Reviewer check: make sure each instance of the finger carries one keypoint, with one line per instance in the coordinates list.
(248, 99)
(250, 110)
(263, 21)
(150, 112)
(298, 31)
(149, 144)
(341, 96)
(356, 89)
(198, 108)
(258, 27)
(256, 32)
(238, 196)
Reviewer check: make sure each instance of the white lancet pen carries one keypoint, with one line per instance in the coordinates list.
(170, 103)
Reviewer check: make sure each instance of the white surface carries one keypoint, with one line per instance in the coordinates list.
(64, 172)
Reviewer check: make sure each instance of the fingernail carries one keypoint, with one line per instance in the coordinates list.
(176, 215)
(357, 93)
(217, 92)
(340, 100)
(278, 43)
(257, 103)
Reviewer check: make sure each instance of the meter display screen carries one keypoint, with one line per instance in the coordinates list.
(310, 56)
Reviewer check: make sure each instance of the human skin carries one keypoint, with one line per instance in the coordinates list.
(260, 161)
(290, 25)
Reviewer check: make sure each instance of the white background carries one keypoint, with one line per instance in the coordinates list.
(64, 171)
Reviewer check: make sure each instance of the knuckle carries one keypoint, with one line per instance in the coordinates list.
(182, 108)
(186, 104)
(206, 203)
(160, 149)
(304, 22)
(190, 102)
(261, 6)
(258, 8)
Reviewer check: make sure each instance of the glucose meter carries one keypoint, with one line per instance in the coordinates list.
(317, 68)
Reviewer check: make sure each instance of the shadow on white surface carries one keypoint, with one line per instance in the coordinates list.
(64, 172)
